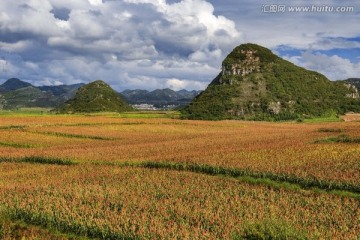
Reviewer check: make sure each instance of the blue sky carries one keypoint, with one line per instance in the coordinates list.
(148, 44)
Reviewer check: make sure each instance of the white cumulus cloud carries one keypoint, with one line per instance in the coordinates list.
(95, 2)
(130, 43)
(334, 67)
(178, 84)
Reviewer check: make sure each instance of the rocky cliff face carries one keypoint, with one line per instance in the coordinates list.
(2, 102)
(353, 91)
(250, 64)
(353, 81)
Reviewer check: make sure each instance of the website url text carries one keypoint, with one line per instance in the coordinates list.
(276, 8)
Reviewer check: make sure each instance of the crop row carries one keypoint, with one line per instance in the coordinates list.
(301, 182)
(36, 159)
(116, 202)
(270, 179)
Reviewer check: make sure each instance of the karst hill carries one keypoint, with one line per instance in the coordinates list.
(96, 96)
(256, 84)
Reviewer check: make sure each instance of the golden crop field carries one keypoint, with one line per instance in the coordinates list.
(111, 177)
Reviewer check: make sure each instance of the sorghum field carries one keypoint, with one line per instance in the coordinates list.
(110, 177)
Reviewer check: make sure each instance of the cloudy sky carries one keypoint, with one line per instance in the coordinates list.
(148, 44)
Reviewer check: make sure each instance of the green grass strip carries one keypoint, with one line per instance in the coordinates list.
(322, 120)
(37, 159)
(16, 145)
(271, 179)
(70, 135)
(11, 228)
(99, 124)
(82, 124)
(338, 130)
(55, 224)
(339, 139)
(20, 127)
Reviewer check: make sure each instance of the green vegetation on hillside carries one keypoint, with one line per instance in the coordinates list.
(28, 97)
(95, 97)
(265, 54)
(214, 102)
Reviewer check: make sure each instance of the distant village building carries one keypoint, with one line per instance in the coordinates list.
(144, 106)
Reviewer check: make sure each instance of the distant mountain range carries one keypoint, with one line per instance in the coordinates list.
(15, 93)
(160, 97)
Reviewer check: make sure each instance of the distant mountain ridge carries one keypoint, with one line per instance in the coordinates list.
(160, 97)
(61, 89)
(15, 93)
(13, 84)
